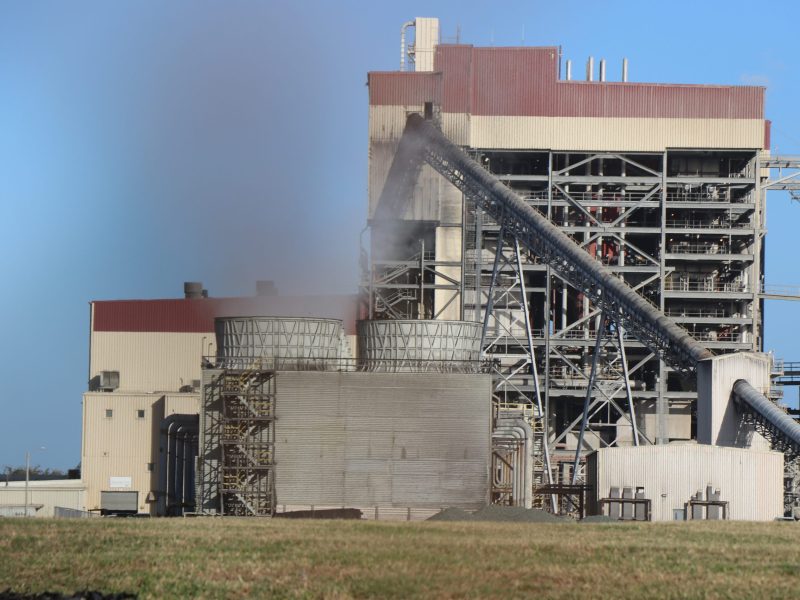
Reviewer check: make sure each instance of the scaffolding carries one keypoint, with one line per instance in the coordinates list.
(237, 473)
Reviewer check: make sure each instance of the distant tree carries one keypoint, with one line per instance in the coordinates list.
(37, 473)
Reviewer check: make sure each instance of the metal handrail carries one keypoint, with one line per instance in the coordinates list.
(336, 364)
(704, 224)
(671, 285)
(781, 290)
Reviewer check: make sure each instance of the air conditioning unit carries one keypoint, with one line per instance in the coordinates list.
(109, 381)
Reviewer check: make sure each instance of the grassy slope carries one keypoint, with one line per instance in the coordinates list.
(246, 558)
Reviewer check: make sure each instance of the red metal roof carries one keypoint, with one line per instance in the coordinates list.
(197, 315)
(524, 82)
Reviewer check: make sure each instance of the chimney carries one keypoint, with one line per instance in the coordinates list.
(193, 289)
(266, 288)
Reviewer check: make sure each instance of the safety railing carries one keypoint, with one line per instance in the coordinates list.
(791, 291)
(716, 336)
(716, 313)
(700, 248)
(682, 285)
(706, 197)
(249, 363)
(705, 224)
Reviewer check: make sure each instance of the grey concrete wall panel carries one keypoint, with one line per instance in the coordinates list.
(382, 439)
(399, 345)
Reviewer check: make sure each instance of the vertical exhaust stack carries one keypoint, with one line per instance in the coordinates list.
(569, 70)
(625, 69)
(590, 69)
(602, 69)
(266, 287)
(405, 26)
(194, 289)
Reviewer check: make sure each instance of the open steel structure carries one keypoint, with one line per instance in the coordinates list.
(621, 307)
(662, 185)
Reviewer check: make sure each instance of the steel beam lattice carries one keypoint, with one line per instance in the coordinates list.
(422, 141)
(658, 332)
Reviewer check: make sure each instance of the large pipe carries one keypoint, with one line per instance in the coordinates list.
(569, 70)
(772, 417)
(180, 439)
(590, 69)
(602, 69)
(624, 69)
(405, 26)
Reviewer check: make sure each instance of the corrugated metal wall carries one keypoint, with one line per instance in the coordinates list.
(614, 134)
(750, 480)
(370, 440)
(123, 445)
(149, 362)
(67, 493)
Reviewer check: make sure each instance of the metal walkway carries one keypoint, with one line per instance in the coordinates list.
(786, 373)
(422, 141)
(780, 292)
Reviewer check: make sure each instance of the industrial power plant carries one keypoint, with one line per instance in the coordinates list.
(561, 308)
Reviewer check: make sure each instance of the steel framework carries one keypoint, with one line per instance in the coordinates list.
(639, 236)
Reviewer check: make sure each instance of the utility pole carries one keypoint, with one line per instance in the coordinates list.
(27, 478)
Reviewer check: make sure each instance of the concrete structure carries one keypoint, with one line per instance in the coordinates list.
(663, 184)
(382, 440)
(379, 442)
(282, 430)
(750, 481)
(718, 420)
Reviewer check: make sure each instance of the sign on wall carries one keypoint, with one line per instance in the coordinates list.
(120, 482)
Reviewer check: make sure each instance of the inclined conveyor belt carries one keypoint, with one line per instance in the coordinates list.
(423, 142)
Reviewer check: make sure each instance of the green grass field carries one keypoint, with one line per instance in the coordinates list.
(240, 558)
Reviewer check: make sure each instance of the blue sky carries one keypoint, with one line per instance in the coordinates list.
(148, 143)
